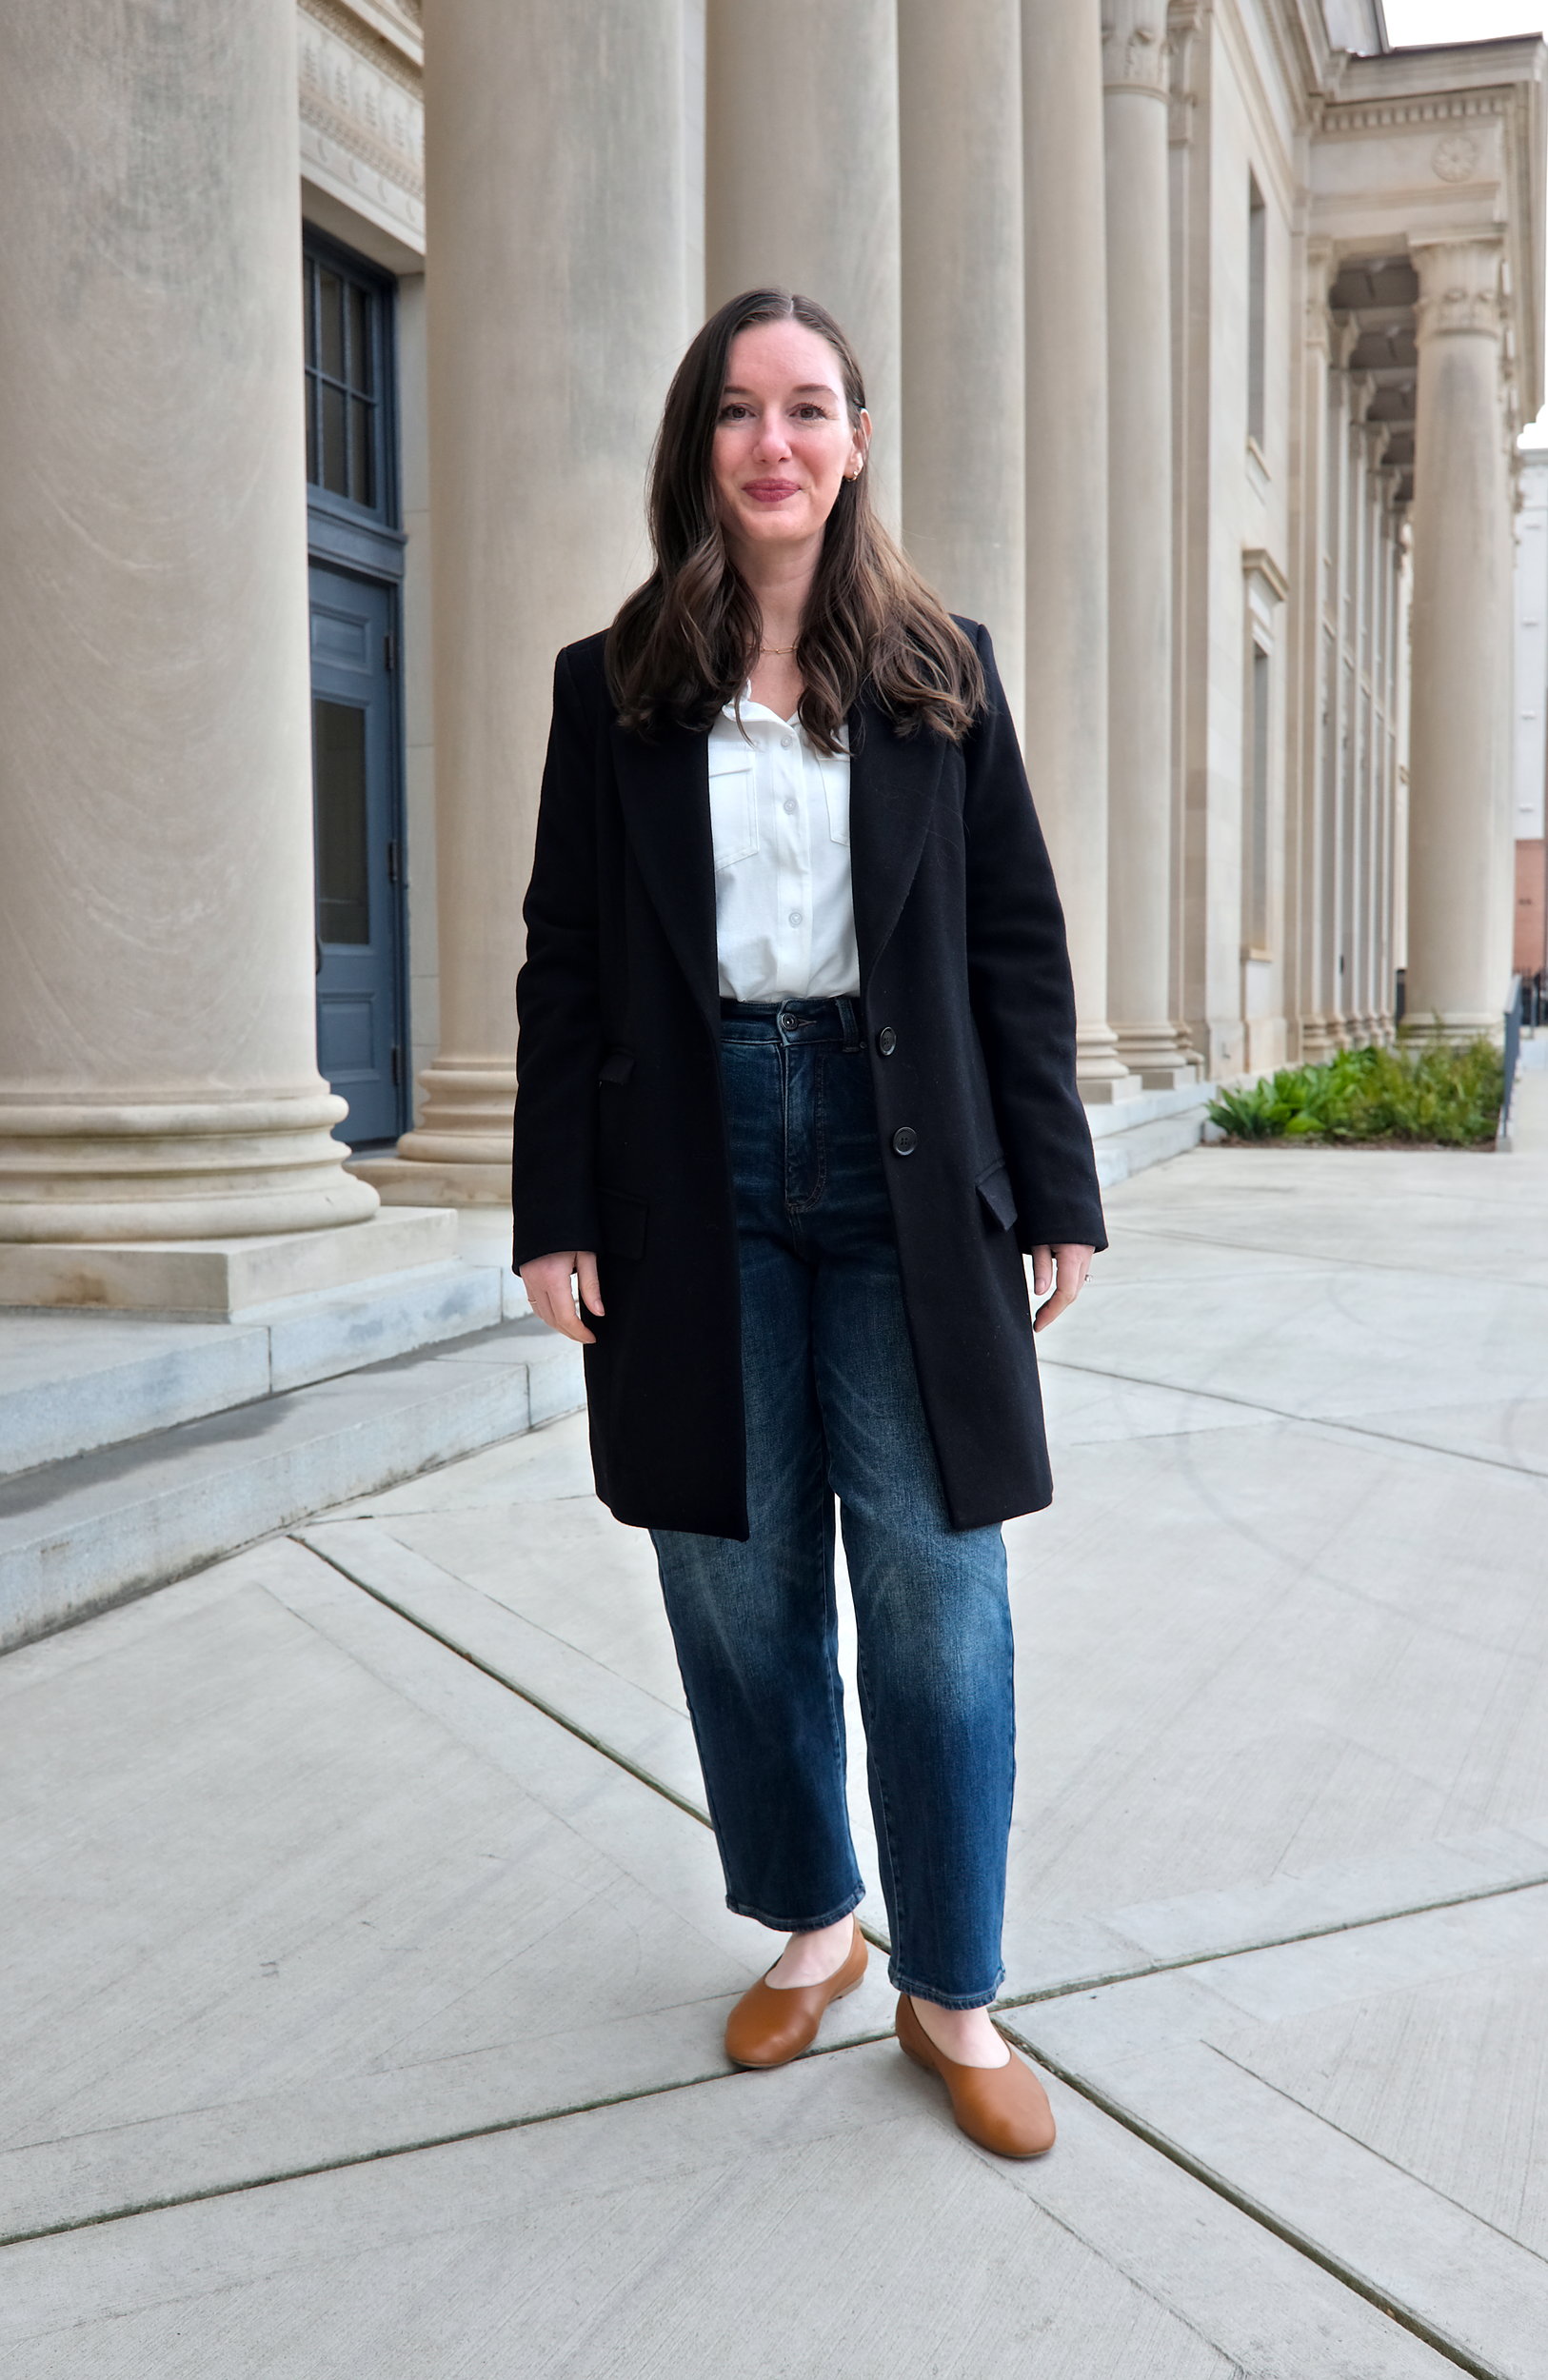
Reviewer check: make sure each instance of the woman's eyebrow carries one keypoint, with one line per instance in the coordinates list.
(807, 388)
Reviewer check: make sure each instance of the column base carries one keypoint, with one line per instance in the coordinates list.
(72, 1171)
(1317, 1041)
(1158, 1055)
(1100, 1073)
(427, 1182)
(214, 1279)
(459, 1152)
(1453, 1026)
(1105, 1090)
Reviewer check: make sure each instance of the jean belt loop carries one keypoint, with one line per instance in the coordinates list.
(850, 1014)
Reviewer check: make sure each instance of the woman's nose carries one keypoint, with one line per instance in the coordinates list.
(772, 442)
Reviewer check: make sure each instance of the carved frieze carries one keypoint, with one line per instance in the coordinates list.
(362, 115)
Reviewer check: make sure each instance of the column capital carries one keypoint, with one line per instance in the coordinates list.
(1184, 20)
(1321, 267)
(1458, 281)
(1134, 47)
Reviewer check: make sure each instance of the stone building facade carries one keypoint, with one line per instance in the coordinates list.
(1198, 339)
(1530, 739)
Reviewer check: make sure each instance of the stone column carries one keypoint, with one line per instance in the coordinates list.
(1306, 920)
(1139, 540)
(556, 301)
(1065, 715)
(1387, 682)
(1339, 730)
(959, 110)
(1357, 816)
(158, 1075)
(802, 180)
(1456, 937)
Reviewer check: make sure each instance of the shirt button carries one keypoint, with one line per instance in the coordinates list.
(795, 916)
(905, 1141)
(887, 1040)
(786, 742)
(789, 809)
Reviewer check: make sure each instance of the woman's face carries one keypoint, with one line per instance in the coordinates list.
(784, 440)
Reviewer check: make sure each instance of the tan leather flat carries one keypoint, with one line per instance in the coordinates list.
(1002, 2107)
(770, 2026)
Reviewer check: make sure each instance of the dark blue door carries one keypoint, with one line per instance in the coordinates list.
(360, 1003)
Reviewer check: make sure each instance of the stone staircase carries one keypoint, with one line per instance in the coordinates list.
(134, 1448)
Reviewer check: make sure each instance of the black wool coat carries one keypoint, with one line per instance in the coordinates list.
(620, 1133)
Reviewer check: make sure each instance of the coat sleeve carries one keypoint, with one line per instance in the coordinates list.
(1018, 977)
(554, 1155)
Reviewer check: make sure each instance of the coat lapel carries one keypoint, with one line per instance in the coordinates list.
(892, 788)
(663, 789)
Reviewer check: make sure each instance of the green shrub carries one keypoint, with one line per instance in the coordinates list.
(1434, 1094)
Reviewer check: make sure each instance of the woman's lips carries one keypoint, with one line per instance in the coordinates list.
(768, 491)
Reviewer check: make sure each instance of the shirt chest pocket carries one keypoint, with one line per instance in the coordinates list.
(733, 811)
(835, 769)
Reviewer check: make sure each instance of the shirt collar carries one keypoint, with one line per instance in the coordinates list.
(759, 713)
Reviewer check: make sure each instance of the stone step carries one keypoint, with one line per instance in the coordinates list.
(79, 1535)
(1145, 1130)
(70, 1383)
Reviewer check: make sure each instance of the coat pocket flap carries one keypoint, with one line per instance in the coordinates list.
(617, 1066)
(994, 1189)
(621, 1222)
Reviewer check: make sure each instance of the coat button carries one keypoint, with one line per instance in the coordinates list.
(887, 1040)
(905, 1141)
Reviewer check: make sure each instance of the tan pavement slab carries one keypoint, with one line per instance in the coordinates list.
(821, 2221)
(1270, 1679)
(1378, 2094)
(284, 1883)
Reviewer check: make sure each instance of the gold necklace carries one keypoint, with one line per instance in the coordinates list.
(781, 652)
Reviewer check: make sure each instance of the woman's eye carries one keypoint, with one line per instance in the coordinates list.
(732, 412)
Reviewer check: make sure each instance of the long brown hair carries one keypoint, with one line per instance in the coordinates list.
(686, 641)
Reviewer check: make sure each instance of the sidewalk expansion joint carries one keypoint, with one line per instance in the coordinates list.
(548, 1711)
(246, 2185)
(524, 1693)
(1099, 1978)
(1437, 2340)
(1096, 1980)
(1303, 1420)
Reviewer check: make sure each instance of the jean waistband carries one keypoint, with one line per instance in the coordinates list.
(795, 1023)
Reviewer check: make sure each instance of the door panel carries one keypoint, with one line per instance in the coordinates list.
(356, 806)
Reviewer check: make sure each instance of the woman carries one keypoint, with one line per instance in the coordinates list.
(797, 1090)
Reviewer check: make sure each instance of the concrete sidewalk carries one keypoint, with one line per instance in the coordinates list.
(366, 1958)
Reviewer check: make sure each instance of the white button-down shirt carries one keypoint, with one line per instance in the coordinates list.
(779, 810)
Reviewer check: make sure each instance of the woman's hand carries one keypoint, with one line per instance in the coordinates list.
(1070, 1264)
(547, 1280)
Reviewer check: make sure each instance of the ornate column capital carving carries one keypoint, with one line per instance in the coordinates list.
(1183, 21)
(1320, 271)
(1458, 286)
(1134, 47)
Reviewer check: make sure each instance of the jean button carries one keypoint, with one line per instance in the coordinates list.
(905, 1141)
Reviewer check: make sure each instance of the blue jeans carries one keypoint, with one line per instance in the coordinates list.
(833, 1409)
